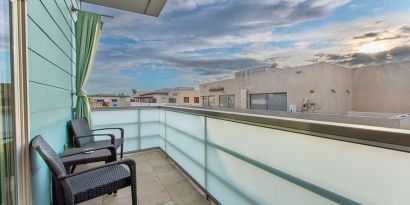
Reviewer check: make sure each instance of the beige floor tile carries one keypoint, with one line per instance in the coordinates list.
(153, 198)
(183, 193)
(157, 163)
(144, 170)
(156, 156)
(152, 184)
(151, 191)
(122, 193)
(96, 201)
(167, 203)
(168, 174)
(119, 201)
(139, 157)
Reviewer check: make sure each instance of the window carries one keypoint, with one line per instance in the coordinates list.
(132, 100)
(227, 101)
(269, 101)
(7, 134)
(186, 99)
(172, 100)
(114, 100)
(208, 101)
(196, 99)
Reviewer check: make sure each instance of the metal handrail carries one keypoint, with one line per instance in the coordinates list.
(388, 138)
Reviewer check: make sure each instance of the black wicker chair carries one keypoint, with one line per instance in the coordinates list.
(84, 137)
(88, 184)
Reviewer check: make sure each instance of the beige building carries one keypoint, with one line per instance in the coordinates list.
(109, 100)
(179, 96)
(319, 87)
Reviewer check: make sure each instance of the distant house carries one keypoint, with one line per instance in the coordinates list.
(178, 96)
(109, 100)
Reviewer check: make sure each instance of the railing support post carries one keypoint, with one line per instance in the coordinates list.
(206, 152)
(165, 126)
(139, 129)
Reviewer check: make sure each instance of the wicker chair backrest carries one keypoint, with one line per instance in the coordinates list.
(80, 127)
(49, 156)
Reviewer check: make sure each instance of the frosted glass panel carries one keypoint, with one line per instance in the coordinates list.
(185, 135)
(141, 127)
(365, 174)
(150, 128)
(162, 129)
(126, 119)
(232, 181)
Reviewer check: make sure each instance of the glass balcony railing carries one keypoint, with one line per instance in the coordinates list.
(250, 159)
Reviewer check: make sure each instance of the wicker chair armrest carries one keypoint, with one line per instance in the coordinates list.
(92, 135)
(112, 128)
(111, 148)
(129, 162)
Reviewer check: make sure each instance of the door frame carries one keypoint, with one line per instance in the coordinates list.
(18, 9)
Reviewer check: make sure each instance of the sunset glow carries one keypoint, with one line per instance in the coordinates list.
(373, 47)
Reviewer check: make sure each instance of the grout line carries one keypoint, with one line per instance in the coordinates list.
(160, 180)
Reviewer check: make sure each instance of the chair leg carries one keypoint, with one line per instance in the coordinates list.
(72, 169)
(134, 193)
(122, 151)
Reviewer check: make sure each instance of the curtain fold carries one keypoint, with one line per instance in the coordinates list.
(87, 34)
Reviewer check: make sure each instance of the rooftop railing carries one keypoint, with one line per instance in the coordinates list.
(242, 158)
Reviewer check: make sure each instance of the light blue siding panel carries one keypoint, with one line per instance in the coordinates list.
(59, 33)
(41, 43)
(51, 62)
(51, 125)
(65, 7)
(41, 67)
(59, 11)
(44, 97)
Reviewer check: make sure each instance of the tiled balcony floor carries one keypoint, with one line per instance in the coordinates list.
(158, 183)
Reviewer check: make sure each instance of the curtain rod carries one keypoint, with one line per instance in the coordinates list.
(74, 9)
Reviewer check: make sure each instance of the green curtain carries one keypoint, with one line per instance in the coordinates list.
(87, 34)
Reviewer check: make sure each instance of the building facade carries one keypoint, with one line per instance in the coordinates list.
(319, 88)
(178, 96)
(110, 100)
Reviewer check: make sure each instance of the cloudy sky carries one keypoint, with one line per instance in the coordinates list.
(199, 40)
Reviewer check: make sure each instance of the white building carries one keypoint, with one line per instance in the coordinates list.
(179, 96)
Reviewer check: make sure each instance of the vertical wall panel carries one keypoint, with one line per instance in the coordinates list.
(51, 64)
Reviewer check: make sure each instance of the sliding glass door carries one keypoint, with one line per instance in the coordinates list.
(269, 101)
(7, 133)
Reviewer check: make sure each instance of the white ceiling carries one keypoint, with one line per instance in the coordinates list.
(147, 7)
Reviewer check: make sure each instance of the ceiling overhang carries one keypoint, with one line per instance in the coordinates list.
(147, 7)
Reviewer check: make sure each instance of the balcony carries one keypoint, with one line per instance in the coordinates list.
(225, 156)
(239, 158)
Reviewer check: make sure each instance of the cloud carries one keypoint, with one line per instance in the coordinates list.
(211, 39)
(367, 35)
(405, 29)
(178, 5)
(401, 53)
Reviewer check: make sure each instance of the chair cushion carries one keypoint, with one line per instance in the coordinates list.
(99, 182)
(103, 143)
